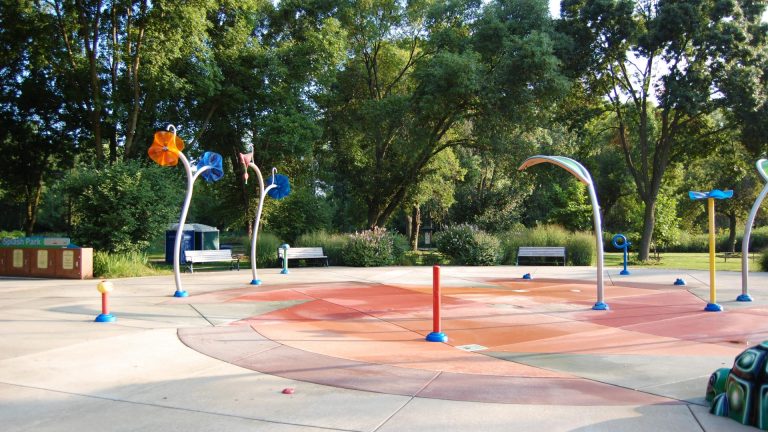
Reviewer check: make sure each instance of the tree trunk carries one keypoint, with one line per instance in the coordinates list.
(649, 221)
(33, 202)
(731, 232)
(415, 227)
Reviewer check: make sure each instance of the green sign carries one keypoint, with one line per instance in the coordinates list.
(34, 242)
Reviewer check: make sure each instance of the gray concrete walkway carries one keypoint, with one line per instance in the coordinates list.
(60, 371)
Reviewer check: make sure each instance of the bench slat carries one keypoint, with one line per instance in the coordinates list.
(206, 256)
(541, 251)
(303, 253)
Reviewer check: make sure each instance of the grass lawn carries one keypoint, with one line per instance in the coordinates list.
(684, 261)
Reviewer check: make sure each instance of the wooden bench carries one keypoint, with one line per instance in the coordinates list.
(545, 252)
(302, 253)
(192, 257)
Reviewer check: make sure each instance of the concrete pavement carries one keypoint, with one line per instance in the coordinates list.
(60, 371)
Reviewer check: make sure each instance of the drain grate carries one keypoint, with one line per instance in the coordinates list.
(472, 347)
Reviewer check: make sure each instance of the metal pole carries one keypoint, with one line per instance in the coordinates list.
(745, 246)
(600, 304)
(177, 243)
(262, 194)
(712, 306)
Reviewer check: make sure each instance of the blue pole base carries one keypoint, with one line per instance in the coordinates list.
(713, 307)
(744, 297)
(600, 306)
(679, 282)
(624, 272)
(437, 337)
(181, 294)
(105, 318)
(256, 282)
(527, 276)
(284, 271)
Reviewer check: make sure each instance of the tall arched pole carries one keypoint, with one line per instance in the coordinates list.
(761, 165)
(246, 159)
(583, 176)
(179, 231)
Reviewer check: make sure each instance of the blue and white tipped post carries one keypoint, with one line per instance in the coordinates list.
(624, 245)
(285, 247)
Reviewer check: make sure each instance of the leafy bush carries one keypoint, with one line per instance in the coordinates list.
(764, 260)
(467, 245)
(545, 235)
(266, 249)
(580, 246)
(122, 207)
(332, 244)
(580, 249)
(127, 264)
(370, 248)
(299, 213)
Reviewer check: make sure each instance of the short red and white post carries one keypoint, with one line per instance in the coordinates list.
(437, 335)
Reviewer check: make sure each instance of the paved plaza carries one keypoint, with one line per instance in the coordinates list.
(342, 349)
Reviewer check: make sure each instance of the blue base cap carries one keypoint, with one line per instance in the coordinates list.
(256, 282)
(713, 307)
(284, 271)
(600, 306)
(437, 337)
(181, 294)
(624, 272)
(679, 282)
(744, 297)
(105, 318)
(527, 276)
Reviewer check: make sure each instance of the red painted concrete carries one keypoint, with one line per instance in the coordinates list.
(371, 336)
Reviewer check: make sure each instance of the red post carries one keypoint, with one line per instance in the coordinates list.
(437, 335)
(104, 304)
(436, 299)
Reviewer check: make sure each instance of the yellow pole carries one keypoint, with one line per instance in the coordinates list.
(711, 215)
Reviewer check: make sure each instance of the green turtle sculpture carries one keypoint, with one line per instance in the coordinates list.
(741, 392)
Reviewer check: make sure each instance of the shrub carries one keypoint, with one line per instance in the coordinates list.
(764, 260)
(122, 207)
(468, 246)
(127, 264)
(332, 244)
(580, 246)
(580, 249)
(266, 249)
(369, 248)
(299, 213)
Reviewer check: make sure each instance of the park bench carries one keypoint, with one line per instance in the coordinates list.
(192, 257)
(543, 252)
(303, 253)
(737, 255)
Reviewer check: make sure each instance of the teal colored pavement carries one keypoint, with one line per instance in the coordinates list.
(60, 371)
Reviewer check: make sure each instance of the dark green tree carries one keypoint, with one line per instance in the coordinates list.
(663, 66)
(422, 77)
